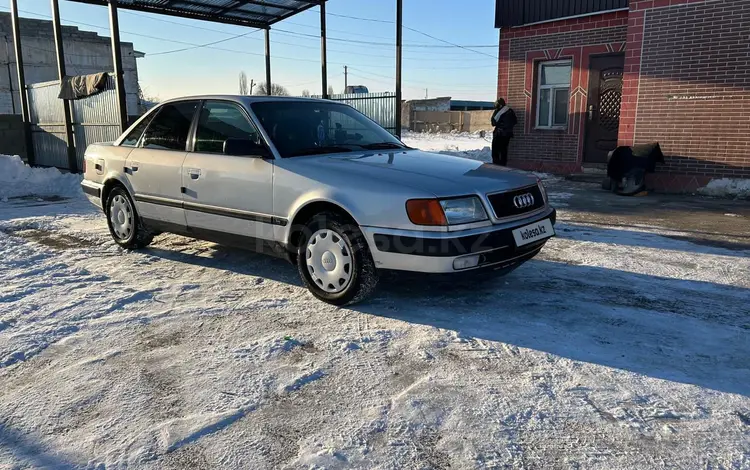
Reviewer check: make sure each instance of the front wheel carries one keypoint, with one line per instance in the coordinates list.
(334, 261)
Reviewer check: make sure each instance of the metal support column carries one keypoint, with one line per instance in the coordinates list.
(25, 111)
(268, 61)
(59, 51)
(114, 26)
(323, 51)
(399, 30)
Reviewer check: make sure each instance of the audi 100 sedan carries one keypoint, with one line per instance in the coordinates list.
(317, 182)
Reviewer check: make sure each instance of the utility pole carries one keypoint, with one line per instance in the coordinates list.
(399, 33)
(346, 78)
(425, 93)
(252, 85)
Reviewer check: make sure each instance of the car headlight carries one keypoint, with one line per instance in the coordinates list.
(463, 210)
(543, 190)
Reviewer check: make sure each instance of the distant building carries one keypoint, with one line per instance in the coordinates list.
(585, 76)
(467, 105)
(351, 89)
(85, 53)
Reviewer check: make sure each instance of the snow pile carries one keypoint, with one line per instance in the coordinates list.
(482, 155)
(446, 142)
(458, 144)
(724, 187)
(17, 179)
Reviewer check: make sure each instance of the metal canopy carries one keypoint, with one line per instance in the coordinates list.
(254, 13)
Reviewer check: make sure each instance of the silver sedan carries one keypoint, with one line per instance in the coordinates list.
(318, 183)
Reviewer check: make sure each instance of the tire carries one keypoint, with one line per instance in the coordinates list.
(328, 244)
(125, 225)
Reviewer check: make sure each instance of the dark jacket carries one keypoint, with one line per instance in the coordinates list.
(504, 125)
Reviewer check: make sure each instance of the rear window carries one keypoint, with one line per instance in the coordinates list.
(170, 128)
(131, 140)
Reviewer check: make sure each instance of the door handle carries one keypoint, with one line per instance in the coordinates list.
(591, 112)
(194, 173)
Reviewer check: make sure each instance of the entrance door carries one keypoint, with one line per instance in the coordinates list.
(226, 193)
(603, 111)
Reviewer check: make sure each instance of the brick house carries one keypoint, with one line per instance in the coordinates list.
(585, 75)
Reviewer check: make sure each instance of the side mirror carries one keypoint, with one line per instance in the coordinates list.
(245, 148)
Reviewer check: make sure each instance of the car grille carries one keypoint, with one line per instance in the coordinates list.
(503, 205)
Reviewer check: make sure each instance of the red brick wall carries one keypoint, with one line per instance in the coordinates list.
(687, 86)
(520, 50)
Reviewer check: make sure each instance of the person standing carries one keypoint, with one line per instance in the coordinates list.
(503, 120)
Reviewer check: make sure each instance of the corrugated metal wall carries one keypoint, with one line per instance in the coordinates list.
(520, 12)
(380, 107)
(95, 119)
(48, 125)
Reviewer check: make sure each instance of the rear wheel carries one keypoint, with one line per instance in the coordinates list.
(334, 261)
(124, 224)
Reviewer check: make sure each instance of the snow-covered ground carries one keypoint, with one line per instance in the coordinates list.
(723, 187)
(459, 144)
(18, 179)
(616, 348)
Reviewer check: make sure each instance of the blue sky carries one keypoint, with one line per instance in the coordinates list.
(295, 48)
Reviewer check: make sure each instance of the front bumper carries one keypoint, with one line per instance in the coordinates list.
(435, 252)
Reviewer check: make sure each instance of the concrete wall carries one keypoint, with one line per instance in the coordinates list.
(12, 140)
(408, 108)
(85, 53)
(447, 121)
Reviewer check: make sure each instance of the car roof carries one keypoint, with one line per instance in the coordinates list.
(248, 99)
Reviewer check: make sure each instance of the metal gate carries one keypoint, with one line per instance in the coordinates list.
(380, 107)
(95, 119)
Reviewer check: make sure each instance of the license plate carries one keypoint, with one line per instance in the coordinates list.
(533, 233)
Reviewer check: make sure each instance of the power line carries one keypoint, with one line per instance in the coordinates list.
(192, 46)
(466, 47)
(452, 44)
(361, 19)
(387, 44)
(431, 84)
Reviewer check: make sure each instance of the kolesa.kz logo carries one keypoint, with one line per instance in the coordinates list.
(530, 233)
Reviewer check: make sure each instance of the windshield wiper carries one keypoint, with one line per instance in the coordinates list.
(321, 150)
(383, 146)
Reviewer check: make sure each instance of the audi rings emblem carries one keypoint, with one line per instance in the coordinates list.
(523, 201)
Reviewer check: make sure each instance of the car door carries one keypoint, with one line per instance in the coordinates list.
(154, 167)
(225, 193)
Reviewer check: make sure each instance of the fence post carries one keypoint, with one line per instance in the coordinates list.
(399, 31)
(268, 61)
(57, 29)
(114, 26)
(323, 51)
(25, 110)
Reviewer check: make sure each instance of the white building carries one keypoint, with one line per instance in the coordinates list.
(85, 53)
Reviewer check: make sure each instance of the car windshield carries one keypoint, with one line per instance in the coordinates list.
(299, 128)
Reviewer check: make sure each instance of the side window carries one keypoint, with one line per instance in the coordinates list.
(553, 94)
(131, 140)
(344, 129)
(170, 127)
(218, 122)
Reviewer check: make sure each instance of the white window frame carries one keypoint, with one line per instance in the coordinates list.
(552, 89)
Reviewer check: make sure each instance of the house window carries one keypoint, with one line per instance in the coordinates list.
(553, 95)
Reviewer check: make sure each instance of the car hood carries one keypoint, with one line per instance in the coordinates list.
(441, 175)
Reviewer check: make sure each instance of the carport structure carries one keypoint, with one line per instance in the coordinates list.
(261, 14)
